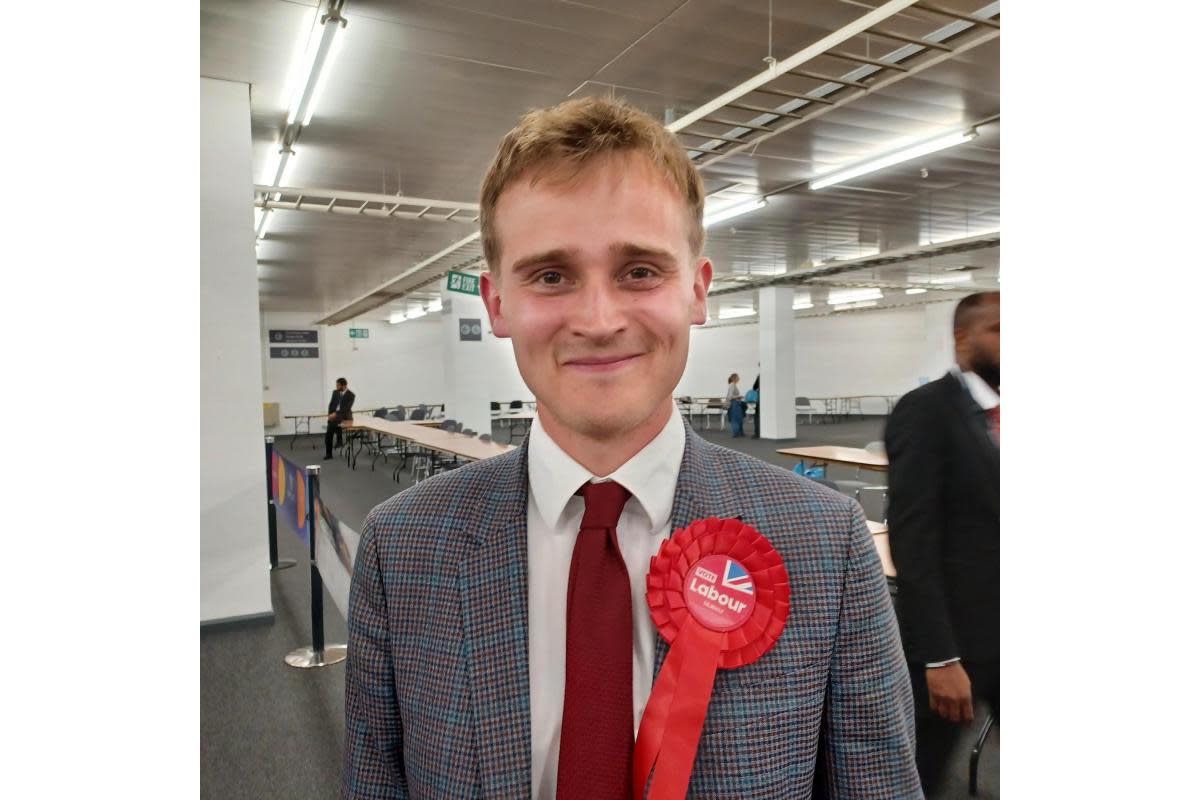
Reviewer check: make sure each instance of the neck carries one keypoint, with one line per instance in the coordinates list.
(602, 456)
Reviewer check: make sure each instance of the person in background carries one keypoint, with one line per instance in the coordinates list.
(341, 403)
(736, 406)
(943, 448)
(758, 407)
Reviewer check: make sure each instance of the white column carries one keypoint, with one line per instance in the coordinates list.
(939, 340)
(468, 394)
(777, 357)
(234, 565)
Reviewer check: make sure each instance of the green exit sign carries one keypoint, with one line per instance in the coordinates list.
(360, 333)
(462, 282)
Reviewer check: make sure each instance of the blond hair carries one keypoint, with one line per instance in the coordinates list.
(575, 133)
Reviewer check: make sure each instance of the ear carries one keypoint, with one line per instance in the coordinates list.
(489, 291)
(700, 283)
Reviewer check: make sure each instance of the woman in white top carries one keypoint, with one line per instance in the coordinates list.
(736, 406)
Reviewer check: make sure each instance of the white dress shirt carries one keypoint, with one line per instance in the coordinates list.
(554, 517)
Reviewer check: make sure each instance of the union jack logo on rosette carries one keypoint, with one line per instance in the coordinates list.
(718, 593)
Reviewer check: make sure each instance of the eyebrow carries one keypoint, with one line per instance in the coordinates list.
(560, 255)
(631, 250)
(557, 255)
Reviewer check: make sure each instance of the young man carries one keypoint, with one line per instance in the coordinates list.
(943, 446)
(341, 407)
(500, 640)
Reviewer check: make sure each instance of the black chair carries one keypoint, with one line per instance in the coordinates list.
(515, 405)
(380, 413)
(417, 413)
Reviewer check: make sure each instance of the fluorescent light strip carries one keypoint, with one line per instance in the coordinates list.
(915, 291)
(907, 154)
(861, 304)
(279, 167)
(853, 296)
(316, 62)
(734, 211)
(801, 306)
(951, 279)
(734, 313)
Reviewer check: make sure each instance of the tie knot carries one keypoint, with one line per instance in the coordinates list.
(602, 503)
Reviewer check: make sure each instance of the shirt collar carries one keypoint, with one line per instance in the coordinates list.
(983, 395)
(650, 475)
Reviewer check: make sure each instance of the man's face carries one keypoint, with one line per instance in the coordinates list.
(980, 342)
(341, 387)
(597, 288)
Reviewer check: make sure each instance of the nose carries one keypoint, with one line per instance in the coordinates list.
(600, 312)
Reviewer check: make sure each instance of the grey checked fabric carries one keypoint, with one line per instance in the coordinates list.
(437, 683)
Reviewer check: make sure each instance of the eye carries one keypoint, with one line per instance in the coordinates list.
(640, 272)
(549, 278)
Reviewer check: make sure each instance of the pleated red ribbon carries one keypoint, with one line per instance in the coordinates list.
(718, 593)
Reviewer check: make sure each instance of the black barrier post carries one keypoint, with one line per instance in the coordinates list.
(319, 654)
(272, 535)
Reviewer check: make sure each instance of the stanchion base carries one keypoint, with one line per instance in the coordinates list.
(306, 657)
(283, 563)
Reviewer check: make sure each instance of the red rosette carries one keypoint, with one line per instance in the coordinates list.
(718, 594)
(679, 555)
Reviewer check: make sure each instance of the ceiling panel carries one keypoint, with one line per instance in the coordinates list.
(422, 92)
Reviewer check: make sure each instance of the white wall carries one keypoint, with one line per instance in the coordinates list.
(871, 352)
(234, 566)
(297, 384)
(395, 365)
(399, 364)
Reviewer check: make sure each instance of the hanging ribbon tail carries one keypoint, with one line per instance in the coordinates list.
(674, 716)
(654, 718)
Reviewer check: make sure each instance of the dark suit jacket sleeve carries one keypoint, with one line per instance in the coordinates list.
(870, 745)
(915, 441)
(373, 761)
(345, 411)
(334, 400)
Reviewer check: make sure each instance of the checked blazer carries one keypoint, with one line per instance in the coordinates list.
(437, 681)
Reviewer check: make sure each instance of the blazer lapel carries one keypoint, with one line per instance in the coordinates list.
(698, 495)
(493, 581)
(974, 418)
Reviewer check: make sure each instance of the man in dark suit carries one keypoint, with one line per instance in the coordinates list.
(341, 404)
(943, 447)
(501, 644)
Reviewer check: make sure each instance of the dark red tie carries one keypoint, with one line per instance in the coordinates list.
(595, 754)
(993, 415)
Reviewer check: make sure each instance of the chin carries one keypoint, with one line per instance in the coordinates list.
(597, 417)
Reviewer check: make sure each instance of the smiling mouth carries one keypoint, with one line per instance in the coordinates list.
(602, 363)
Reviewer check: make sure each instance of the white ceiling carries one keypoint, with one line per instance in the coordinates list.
(422, 92)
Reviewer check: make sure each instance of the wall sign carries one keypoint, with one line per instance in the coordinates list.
(292, 337)
(293, 352)
(462, 282)
(360, 333)
(470, 330)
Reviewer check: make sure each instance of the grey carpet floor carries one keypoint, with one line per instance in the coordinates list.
(268, 730)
